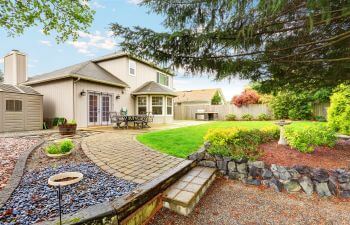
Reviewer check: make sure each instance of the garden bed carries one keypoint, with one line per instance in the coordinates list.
(322, 157)
(10, 150)
(34, 200)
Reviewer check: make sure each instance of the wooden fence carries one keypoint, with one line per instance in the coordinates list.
(320, 109)
(183, 112)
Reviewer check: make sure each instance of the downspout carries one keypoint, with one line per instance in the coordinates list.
(75, 96)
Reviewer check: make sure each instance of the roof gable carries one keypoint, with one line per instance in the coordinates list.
(152, 87)
(18, 89)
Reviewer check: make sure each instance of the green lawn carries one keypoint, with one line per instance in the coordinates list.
(181, 142)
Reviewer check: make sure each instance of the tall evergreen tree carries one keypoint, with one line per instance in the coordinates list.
(283, 44)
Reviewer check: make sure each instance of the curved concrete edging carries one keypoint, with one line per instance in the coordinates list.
(17, 174)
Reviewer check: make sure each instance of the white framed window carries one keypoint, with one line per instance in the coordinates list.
(132, 67)
(162, 79)
(169, 105)
(141, 105)
(157, 105)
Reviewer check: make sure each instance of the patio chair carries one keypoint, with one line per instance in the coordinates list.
(116, 119)
(148, 119)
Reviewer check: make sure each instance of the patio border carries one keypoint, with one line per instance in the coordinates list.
(116, 211)
(17, 174)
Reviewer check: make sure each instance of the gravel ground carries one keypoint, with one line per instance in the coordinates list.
(35, 201)
(10, 150)
(231, 202)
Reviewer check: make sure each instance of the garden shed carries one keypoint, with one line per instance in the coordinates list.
(21, 108)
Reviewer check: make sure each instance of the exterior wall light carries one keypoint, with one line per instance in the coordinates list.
(117, 96)
(83, 93)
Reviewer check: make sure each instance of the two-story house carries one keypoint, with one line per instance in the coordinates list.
(88, 91)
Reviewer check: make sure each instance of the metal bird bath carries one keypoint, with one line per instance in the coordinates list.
(61, 180)
(281, 124)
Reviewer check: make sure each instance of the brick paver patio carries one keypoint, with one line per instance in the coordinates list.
(120, 154)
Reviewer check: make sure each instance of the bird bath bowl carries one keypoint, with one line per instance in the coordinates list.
(281, 124)
(64, 179)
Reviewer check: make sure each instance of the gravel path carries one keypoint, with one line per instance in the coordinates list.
(35, 201)
(231, 202)
(10, 150)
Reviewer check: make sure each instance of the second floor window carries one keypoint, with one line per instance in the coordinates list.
(162, 79)
(132, 68)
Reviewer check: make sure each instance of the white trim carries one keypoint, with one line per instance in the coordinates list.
(166, 106)
(137, 103)
(130, 62)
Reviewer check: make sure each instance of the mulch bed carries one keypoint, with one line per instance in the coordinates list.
(10, 150)
(322, 157)
(229, 202)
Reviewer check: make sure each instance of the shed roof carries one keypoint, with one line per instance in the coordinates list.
(19, 89)
(87, 71)
(152, 87)
(204, 95)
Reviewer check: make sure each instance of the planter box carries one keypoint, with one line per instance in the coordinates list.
(67, 129)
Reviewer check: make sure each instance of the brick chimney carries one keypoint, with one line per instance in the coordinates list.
(15, 67)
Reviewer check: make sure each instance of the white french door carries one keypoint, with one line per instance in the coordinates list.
(99, 106)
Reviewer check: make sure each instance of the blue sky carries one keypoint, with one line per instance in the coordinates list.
(45, 55)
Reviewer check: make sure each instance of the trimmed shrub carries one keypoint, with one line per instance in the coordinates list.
(66, 145)
(52, 149)
(231, 117)
(264, 116)
(339, 110)
(239, 143)
(247, 116)
(306, 139)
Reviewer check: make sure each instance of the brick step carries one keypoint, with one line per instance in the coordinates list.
(183, 196)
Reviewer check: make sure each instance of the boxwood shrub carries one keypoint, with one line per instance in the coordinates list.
(306, 139)
(239, 143)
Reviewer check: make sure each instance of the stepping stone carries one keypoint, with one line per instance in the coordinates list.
(183, 196)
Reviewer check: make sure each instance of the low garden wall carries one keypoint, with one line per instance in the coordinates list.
(296, 179)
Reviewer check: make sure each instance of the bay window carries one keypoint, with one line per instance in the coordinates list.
(142, 105)
(157, 105)
(169, 106)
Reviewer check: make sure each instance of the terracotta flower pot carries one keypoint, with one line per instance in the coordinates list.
(67, 129)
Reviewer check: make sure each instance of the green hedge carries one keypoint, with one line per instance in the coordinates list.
(239, 143)
(339, 110)
(306, 139)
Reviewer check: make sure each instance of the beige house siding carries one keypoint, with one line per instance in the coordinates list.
(30, 118)
(58, 98)
(81, 102)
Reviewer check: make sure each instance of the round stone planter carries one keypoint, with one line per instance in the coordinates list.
(58, 155)
(64, 179)
(67, 129)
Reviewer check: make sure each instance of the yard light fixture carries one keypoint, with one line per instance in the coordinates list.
(117, 97)
(83, 93)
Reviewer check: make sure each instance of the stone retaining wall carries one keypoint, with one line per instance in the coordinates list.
(291, 179)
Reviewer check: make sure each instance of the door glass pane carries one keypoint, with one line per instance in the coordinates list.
(93, 107)
(105, 108)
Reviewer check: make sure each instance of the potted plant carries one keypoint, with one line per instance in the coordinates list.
(68, 128)
(60, 149)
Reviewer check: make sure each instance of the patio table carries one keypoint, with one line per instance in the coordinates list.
(130, 118)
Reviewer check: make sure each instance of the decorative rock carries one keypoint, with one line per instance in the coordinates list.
(343, 177)
(280, 172)
(242, 160)
(266, 174)
(231, 166)
(306, 183)
(344, 194)
(294, 174)
(265, 183)
(275, 184)
(253, 182)
(207, 145)
(198, 156)
(322, 189)
(242, 168)
(234, 175)
(257, 164)
(302, 169)
(320, 175)
(333, 185)
(207, 163)
(255, 172)
(344, 186)
(292, 187)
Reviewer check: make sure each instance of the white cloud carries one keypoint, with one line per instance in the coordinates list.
(88, 43)
(47, 43)
(31, 65)
(97, 5)
(135, 2)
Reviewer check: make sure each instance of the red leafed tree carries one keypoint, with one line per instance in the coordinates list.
(248, 96)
